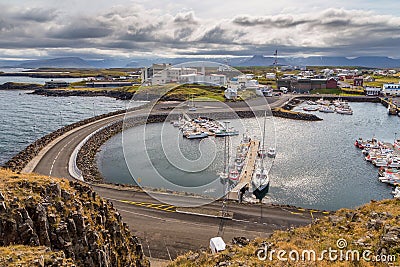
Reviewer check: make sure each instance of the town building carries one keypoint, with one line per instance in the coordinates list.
(373, 91)
(213, 79)
(148, 73)
(358, 81)
(305, 85)
(56, 84)
(391, 89)
(171, 75)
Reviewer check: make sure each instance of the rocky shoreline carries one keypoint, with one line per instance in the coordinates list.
(120, 95)
(20, 86)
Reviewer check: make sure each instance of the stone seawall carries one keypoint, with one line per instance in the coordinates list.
(65, 93)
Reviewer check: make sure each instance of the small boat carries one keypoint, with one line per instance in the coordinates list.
(383, 171)
(262, 153)
(311, 103)
(271, 152)
(359, 143)
(344, 111)
(309, 108)
(196, 135)
(380, 162)
(233, 175)
(260, 182)
(224, 132)
(325, 109)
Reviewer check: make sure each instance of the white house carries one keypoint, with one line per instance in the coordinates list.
(171, 75)
(270, 75)
(392, 89)
(243, 82)
(214, 79)
(373, 91)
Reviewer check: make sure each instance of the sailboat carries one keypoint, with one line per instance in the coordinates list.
(260, 180)
(192, 106)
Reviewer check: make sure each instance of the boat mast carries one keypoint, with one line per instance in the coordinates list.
(263, 142)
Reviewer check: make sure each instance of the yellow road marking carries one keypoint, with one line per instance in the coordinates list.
(301, 209)
(163, 207)
(296, 213)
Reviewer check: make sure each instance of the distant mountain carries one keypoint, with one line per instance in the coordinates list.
(257, 60)
(371, 61)
(62, 62)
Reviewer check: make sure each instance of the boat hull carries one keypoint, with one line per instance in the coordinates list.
(260, 192)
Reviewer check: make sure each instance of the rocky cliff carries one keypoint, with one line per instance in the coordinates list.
(66, 217)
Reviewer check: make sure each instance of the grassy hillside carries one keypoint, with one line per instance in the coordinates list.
(372, 230)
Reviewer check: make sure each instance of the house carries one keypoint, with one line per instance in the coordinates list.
(213, 79)
(171, 75)
(331, 83)
(270, 75)
(369, 79)
(373, 91)
(56, 84)
(391, 89)
(358, 81)
(148, 73)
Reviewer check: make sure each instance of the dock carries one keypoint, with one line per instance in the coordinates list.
(247, 172)
(393, 106)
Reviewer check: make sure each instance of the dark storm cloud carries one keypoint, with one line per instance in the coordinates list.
(36, 15)
(136, 29)
(77, 31)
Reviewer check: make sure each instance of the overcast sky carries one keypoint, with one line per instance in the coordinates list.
(142, 28)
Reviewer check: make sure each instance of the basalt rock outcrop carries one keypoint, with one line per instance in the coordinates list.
(109, 93)
(20, 86)
(65, 216)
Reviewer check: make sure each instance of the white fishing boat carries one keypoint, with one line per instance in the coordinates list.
(310, 108)
(196, 135)
(396, 191)
(260, 180)
(380, 162)
(226, 132)
(271, 152)
(233, 174)
(326, 109)
(344, 111)
(192, 106)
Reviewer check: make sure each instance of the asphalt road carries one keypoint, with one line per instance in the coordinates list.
(165, 230)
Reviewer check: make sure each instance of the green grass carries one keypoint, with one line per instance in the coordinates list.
(380, 80)
(326, 91)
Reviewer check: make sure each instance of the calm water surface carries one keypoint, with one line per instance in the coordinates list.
(317, 165)
(25, 118)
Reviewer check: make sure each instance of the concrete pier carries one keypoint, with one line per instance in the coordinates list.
(247, 172)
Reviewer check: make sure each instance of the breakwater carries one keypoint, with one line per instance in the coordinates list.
(65, 93)
(20, 86)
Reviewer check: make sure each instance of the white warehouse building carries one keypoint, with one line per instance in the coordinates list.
(171, 75)
(392, 89)
(213, 79)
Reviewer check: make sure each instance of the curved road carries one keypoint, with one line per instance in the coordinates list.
(167, 231)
